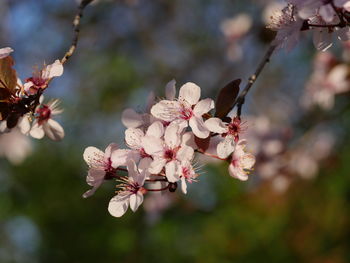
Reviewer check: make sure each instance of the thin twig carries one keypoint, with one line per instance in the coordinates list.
(76, 27)
(240, 100)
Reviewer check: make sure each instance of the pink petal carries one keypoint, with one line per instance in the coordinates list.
(185, 153)
(135, 201)
(152, 145)
(118, 205)
(110, 148)
(171, 172)
(166, 110)
(131, 119)
(37, 131)
(190, 93)
(203, 107)
(183, 185)
(226, 147)
(170, 90)
(121, 156)
(91, 155)
(216, 125)
(156, 129)
(53, 70)
(172, 137)
(133, 138)
(53, 130)
(198, 127)
(237, 173)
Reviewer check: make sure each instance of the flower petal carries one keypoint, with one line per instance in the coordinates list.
(170, 90)
(92, 155)
(37, 131)
(156, 130)
(166, 110)
(185, 153)
(157, 165)
(183, 185)
(110, 149)
(190, 93)
(198, 127)
(133, 138)
(118, 205)
(4, 52)
(121, 156)
(53, 70)
(171, 172)
(237, 173)
(152, 145)
(203, 107)
(135, 201)
(131, 119)
(172, 137)
(53, 130)
(226, 147)
(216, 125)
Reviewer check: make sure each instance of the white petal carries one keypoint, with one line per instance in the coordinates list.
(156, 129)
(133, 138)
(247, 161)
(92, 154)
(172, 137)
(24, 125)
(216, 125)
(118, 205)
(237, 173)
(166, 110)
(171, 171)
(198, 127)
(183, 185)
(190, 93)
(152, 145)
(132, 170)
(144, 165)
(121, 156)
(170, 90)
(185, 153)
(110, 149)
(4, 52)
(95, 177)
(226, 147)
(53, 130)
(157, 166)
(203, 107)
(135, 201)
(131, 119)
(53, 70)
(37, 131)
(188, 140)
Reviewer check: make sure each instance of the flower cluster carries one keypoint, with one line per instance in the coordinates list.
(326, 19)
(161, 146)
(21, 104)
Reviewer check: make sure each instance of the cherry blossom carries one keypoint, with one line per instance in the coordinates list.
(167, 152)
(131, 191)
(229, 131)
(44, 124)
(100, 166)
(187, 110)
(41, 79)
(242, 162)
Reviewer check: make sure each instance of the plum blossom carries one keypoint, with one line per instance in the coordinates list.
(167, 152)
(131, 191)
(44, 124)
(100, 166)
(41, 79)
(229, 131)
(186, 110)
(15, 146)
(242, 162)
(288, 27)
(187, 174)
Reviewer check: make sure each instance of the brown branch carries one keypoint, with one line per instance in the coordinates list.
(76, 27)
(241, 98)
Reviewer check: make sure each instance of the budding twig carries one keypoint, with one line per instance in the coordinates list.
(76, 27)
(241, 98)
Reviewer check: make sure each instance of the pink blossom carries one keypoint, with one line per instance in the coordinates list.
(44, 124)
(100, 166)
(187, 110)
(241, 163)
(4, 52)
(131, 191)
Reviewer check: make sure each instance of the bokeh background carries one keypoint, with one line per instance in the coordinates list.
(298, 212)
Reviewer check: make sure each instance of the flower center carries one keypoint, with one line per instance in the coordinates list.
(234, 128)
(43, 114)
(186, 113)
(169, 154)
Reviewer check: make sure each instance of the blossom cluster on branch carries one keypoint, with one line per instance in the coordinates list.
(21, 104)
(161, 148)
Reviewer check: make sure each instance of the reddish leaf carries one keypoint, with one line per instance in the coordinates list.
(226, 98)
(8, 79)
(203, 144)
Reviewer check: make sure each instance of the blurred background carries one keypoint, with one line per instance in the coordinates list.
(294, 208)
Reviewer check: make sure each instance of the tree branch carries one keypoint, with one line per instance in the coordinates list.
(76, 27)
(241, 98)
